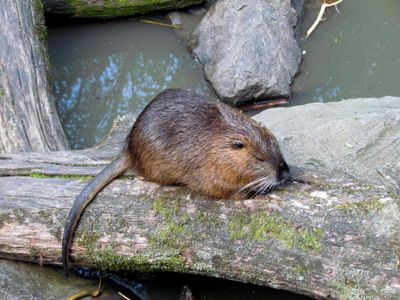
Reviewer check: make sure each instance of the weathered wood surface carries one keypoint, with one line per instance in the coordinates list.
(28, 119)
(112, 9)
(325, 237)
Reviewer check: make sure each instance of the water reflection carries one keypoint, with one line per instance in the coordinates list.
(353, 54)
(109, 69)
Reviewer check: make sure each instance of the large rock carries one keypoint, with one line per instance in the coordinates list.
(360, 137)
(248, 48)
(27, 281)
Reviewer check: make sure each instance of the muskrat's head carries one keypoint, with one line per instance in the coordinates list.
(253, 162)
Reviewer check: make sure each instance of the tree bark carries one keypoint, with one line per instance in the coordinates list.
(323, 236)
(112, 9)
(28, 119)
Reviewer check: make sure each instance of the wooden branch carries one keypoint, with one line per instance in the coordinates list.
(28, 118)
(160, 24)
(263, 104)
(322, 236)
(320, 15)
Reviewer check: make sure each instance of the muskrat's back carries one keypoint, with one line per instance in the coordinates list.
(184, 138)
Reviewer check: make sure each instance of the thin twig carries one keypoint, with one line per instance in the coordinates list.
(263, 104)
(82, 294)
(320, 15)
(160, 24)
(123, 296)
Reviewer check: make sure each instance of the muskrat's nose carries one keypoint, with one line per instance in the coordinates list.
(283, 172)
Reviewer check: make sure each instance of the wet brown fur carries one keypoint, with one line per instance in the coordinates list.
(183, 138)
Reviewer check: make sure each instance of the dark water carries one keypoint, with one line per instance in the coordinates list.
(103, 70)
(169, 286)
(352, 54)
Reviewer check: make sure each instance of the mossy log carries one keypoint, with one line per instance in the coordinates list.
(105, 9)
(28, 119)
(323, 236)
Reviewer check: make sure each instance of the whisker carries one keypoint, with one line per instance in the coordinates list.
(268, 186)
(253, 183)
(263, 187)
(258, 186)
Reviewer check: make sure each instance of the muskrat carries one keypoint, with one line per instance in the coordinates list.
(182, 138)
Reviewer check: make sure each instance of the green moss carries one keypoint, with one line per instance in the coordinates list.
(144, 197)
(349, 284)
(300, 270)
(42, 175)
(17, 216)
(44, 214)
(378, 295)
(173, 232)
(1, 92)
(56, 231)
(40, 26)
(88, 240)
(120, 8)
(347, 290)
(4, 218)
(261, 225)
(39, 175)
(365, 206)
(34, 252)
(325, 185)
(209, 217)
(109, 259)
(167, 240)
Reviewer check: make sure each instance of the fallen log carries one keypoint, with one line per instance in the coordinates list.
(28, 118)
(323, 236)
(112, 9)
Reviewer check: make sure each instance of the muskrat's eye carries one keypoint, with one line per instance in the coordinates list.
(237, 145)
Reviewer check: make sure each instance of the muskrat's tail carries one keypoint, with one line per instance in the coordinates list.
(113, 170)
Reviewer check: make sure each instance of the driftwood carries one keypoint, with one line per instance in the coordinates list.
(321, 236)
(28, 119)
(326, 4)
(111, 9)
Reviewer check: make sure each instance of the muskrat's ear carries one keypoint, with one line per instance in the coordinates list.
(237, 145)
